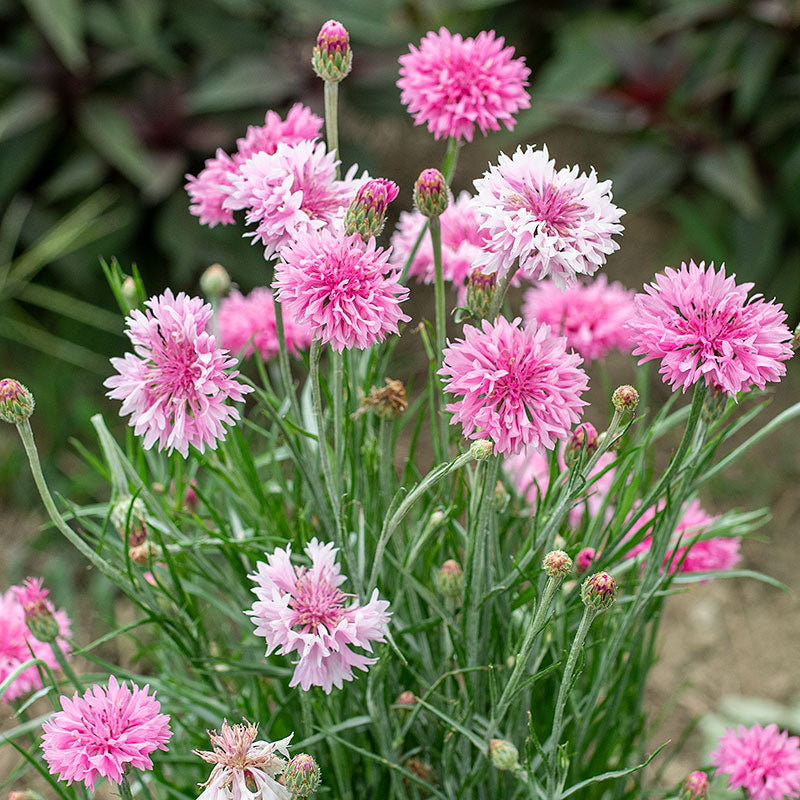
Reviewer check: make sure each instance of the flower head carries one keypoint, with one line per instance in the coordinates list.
(39, 612)
(557, 564)
(516, 385)
(695, 786)
(174, 385)
(291, 191)
(244, 767)
(332, 58)
(302, 775)
(16, 402)
(702, 326)
(557, 223)
(461, 243)
(343, 289)
(248, 321)
(431, 195)
(304, 611)
(584, 559)
(592, 316)
(367, 213)
(583, 442)
(625, 398)
(503, 755)
(599, 591)
(761, 760)
(454, 84)
(450, 579)
(19, 644)
(104, 731)
(215, 281)
(209, 189)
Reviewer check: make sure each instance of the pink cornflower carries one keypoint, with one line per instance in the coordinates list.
(291, 191)
(104, 731)
(529, 472)
(244, 767)
(712, 554)
(247, 321)
(303, 610)
(461, 243)
(584, 559)
(516, 385)
(174, 384)
(762, 761)
(592, 316)
(702, 326)
(557, 223)
(18, 644)
(341, 288)
(209, 189)
(455, 84)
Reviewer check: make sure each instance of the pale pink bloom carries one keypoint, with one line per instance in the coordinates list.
(174, 385)
(344, 290)
(516, 385)
(529, 471)
(244, 768)
(461, 243)
(557, 223)
(289, 192)
(247, 321)
(592, 316)
(702, 326)
(209, 189)
(705, 555)
(103, 732)
(32, 596)
(18, 644)
(302, 610)
(454, 84)
(762, 761)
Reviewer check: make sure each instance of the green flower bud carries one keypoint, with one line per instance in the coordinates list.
(16, 402)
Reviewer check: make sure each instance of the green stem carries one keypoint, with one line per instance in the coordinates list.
(322, 442)
(125, 788)
(385, 466)
(442, 426)
(500, 291)
(450, 160)
(338, 418)
(476, 558)
(332, 121)
(111, 572)
(283, 363)
(589, 614)
(391, 522)
(66, 667)
(523, 657)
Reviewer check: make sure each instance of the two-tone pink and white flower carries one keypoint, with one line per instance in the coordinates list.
(558, 224)
(302, 610)
(245, 768)
(175, 385)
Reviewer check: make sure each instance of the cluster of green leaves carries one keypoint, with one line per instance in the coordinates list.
(704, 103)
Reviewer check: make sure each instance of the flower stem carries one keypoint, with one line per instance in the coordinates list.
(125, 788)
(474, 578)
(450, 159)
(66, 667)
(441, 330)
(338, 418)
(589, 614)
(322, 443)
(332, 121)
(283, 363)
(521, 662)
(500, 291)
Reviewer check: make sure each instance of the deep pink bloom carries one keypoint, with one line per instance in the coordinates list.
(104, 731)
(529, 471)
(702, 326)
(455, 84)
(32, 595)
(343, 289)
(592, 316)
(174, 384)
(209, 189)
(516, 385)
(245, 767)
(291, 191)
(712, 554)
(18, 644)
(761, 760)
(558, 223)
(246, 321)
(304, 611)
(461, 243)
(584, 559)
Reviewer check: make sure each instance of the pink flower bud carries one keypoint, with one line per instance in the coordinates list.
(431, 196)
(582, 441)
(557, 563)
(625, 398)
(367, 212)
(16, 402)
(599, 591)
(695, 787)
(332, 58)
(584, 559)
